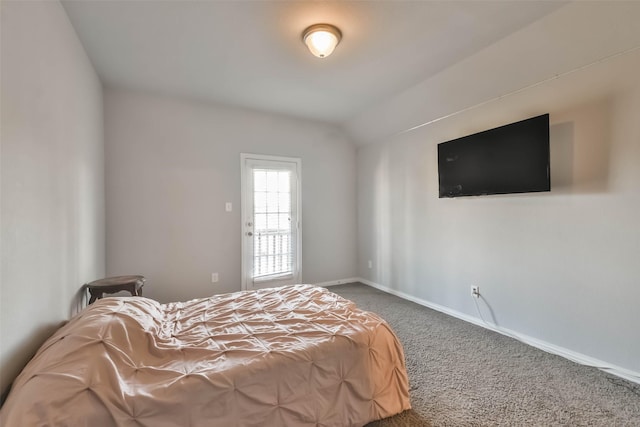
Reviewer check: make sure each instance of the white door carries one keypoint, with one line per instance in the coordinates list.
(271, 221)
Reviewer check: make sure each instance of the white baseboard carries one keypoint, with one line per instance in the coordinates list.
(534, 342)
(338, 282)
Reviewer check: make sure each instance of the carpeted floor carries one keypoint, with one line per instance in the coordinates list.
(464, 375)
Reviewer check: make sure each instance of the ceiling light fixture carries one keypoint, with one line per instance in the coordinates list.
(321, 39)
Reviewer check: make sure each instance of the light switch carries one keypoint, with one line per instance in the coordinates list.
(228, 207)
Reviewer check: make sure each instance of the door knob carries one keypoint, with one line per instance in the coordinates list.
(249, 233)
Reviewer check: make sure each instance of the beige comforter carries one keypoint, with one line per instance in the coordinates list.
(291, 356)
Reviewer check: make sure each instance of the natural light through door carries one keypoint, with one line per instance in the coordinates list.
(271, 243)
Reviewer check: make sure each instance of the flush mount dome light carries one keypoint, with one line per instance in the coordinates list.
(321, 39)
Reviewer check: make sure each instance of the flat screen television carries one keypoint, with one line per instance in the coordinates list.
(509, 159)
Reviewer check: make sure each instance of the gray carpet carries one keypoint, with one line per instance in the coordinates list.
(464, 375)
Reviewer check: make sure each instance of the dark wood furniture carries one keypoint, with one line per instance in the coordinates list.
(111, 285)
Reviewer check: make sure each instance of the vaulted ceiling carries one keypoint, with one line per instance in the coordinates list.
(250, 54)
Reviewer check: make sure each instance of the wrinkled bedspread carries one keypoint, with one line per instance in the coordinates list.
(291, 356)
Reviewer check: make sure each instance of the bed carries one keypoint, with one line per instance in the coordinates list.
(291, 356)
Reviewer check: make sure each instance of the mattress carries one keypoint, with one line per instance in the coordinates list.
(290, 356)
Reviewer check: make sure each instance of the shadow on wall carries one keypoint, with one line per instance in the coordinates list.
(17, 360)
(580, 148)
(79, 301)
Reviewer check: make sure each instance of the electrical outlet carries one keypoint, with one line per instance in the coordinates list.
(214, 277)
(475, 291)
(370, 264)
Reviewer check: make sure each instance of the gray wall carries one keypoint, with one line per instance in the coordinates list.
(171, 165)
(52, 172)
(561, 267)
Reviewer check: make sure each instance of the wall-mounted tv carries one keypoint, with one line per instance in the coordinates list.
(509, 159)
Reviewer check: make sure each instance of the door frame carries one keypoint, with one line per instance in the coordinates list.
(244, 214)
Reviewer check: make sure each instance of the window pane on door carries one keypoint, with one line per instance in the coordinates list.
(272, 243)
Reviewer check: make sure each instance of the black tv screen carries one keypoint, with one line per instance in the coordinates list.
(509, 159)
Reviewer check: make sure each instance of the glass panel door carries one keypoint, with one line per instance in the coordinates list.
(270, 237)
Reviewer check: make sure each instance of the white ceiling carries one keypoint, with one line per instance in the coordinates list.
(250, 53)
